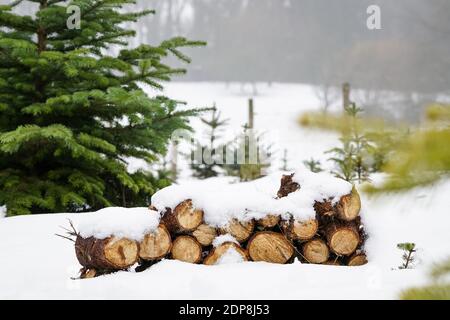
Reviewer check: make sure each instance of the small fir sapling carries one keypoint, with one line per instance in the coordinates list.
(409, 249)
(211, 159)
(251, 157)
(313, 165)
(352, 158)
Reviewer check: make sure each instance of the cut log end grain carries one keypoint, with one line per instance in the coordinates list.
(106, 254)
(357, 260)
(122, 252)
(155, 245)
(269, 221)
(287, 186)
(241, 231)
(183, 218)
(349, 206)
(270, 247)
(217, 253)
(316, 251)
(343, 240)
(205, 234)
(346, 209)
(300, 230)
(187, 249)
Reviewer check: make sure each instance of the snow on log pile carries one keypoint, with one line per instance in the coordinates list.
(313, 217)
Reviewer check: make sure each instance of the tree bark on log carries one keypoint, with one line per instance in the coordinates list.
(324, 208)
(316, 251)
(88, 273)
(183, 218)
(187, 249)
(343, 238)
(269, 221)
(241, 231)
(287, 186)
(297, 230)
(270, 246)
(106, 254)
(217, 253)
(155, 245)
(205, 234)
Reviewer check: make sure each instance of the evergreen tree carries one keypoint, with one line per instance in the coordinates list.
(71, 116)
(250, 156)
(210, 166)
(352, 158)
(408, 249)
(313, 165)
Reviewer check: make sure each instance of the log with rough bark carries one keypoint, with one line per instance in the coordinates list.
(216, 254)
(287, 186)
(316, 251)
(357, 259)
(343, 238)
(108, 254)
(269, 221)
(183, 218)
(205, 234)
(270, 246)
(241, 231)
(155, 245)
(300, 230)
(187, 249)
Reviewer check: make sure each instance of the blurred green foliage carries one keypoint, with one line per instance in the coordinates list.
(438, 289)
(412, 156)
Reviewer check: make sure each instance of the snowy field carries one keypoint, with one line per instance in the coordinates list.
(38, 265)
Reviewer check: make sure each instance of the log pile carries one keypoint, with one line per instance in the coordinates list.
(334, 237)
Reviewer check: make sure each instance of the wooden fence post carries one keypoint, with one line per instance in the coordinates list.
(345, 95)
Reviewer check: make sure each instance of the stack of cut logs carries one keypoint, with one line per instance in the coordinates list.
(334, 237)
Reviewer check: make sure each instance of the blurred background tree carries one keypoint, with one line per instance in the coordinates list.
(209, 166)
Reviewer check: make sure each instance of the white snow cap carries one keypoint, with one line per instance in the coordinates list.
(131, 223)
(219, 240)
(222, 201)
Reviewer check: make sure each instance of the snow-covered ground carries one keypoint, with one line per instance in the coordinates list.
(37, 264)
